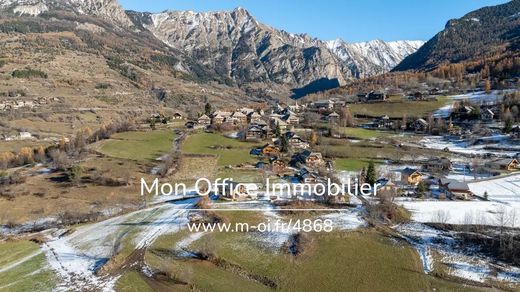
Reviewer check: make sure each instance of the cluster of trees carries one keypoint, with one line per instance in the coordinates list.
(60, 154)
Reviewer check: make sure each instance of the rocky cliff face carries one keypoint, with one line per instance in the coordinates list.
(235, 44)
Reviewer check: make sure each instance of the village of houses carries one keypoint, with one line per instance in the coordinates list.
(449, 161)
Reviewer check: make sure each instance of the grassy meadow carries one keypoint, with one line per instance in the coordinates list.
(140, 146)
(397, 107)
(23, 268)
(229, 151)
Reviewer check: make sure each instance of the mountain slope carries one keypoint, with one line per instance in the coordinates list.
(236, 45)
(482, 33)
(228, 47)
(109, 10)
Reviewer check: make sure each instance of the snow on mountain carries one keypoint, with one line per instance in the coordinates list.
(373, 57)
(109, 10)
(236, 44)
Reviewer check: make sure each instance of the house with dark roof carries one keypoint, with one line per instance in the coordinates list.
(487, 115)
(255, 132)
(420, 126)
(438, 165)
(323, 104)
(375, 96)
(297, 142)
(508, 164)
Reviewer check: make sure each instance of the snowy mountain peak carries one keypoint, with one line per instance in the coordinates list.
(375, 56)
(109, 10)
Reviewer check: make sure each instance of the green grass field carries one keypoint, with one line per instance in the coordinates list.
(140, 146)
(229, 151)
(396, 107)
(352, 164)
(361, 133)
(26, 273)
(132, 282)
(364, 260)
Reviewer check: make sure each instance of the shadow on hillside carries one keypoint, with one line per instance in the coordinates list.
(315, 86)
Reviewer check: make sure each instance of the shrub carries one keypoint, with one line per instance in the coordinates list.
(103, 86)
(75, 173)
(29, 73)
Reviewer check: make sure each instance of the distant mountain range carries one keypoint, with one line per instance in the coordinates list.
(235, 46)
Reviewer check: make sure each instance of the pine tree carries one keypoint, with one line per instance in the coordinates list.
(284, 144)
(421, 190)
(371, 174)
(277, 130)
(208, 109)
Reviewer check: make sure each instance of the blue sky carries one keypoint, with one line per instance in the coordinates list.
(352, 20)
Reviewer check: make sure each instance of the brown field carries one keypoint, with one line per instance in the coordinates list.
(44, 195)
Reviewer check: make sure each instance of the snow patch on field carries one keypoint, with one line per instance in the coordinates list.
(505, 190)
(76, 257)
(461, 262)
(462, 212)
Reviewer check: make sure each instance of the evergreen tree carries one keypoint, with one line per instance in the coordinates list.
(208, 109)
(371, 174)
(277, 130)
(152, 123)
(508, 125)
(284, 144)
(421, 190)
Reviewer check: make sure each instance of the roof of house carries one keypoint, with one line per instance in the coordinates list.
(254, 128)
(452, 184)
(504, 162)
(204, 117)
(239, 115)
(488, 111)
(422, 122)
(279, 121)
(409, 171)
(325, 101)
(222, 113)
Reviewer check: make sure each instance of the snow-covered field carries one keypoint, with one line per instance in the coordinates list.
(503, 207)
(460, 212)
(463, 147)
(505, 189)
(76, 257)
(480, 97)
(460, 263)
